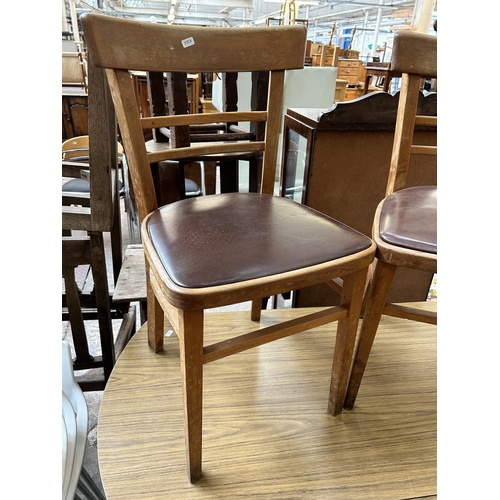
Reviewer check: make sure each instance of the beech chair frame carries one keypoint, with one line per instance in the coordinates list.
(121, 46)
(415, 56)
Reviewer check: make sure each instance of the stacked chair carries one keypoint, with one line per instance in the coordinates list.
(87, 219)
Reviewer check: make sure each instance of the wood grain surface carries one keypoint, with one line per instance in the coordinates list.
(266, 430)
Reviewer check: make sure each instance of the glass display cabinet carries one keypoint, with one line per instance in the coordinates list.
(337, 160)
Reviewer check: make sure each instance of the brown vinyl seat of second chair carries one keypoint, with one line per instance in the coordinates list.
(228, 248)
(405, 224)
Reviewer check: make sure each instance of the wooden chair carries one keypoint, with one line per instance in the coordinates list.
(76, 191)
(76, 150)
(405, 225)
(214, 251)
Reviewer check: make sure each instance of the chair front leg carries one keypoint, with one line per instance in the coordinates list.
(191, 357)
(379, 290)
(352, 297)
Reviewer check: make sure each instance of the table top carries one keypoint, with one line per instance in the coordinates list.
(267, 432)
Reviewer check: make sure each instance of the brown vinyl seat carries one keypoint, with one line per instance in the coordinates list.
(224, 249)
(405, 225)
(408, 219)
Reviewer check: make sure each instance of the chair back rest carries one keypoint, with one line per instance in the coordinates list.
(121, 46)
(415, 56)
(76, 146)
(79, 146)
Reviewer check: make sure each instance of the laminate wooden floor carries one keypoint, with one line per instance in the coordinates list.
(267, 433)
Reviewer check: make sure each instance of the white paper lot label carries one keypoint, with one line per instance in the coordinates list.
(187, 42)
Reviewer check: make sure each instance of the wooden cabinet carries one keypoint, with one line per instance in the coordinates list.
(352, 93)
(340, 90)
(348, 70)
(337, 161)
(351, 71)
(75, 114)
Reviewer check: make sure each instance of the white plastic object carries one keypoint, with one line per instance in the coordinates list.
(75, 416)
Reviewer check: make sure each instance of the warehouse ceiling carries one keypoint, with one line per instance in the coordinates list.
(322, 16)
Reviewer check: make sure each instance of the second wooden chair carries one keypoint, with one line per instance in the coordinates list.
(405, 225)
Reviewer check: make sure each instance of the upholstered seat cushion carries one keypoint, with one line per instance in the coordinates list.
(227, 238)
(83, 186)
(76, 186)
(191, 187)
(408, 219)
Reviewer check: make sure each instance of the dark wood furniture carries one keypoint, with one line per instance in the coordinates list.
(335, 161)
(87, 219)
(386, 72)
(405, 223)
(214, 251)
(168, 94)
(75, 113)
(74, 95)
